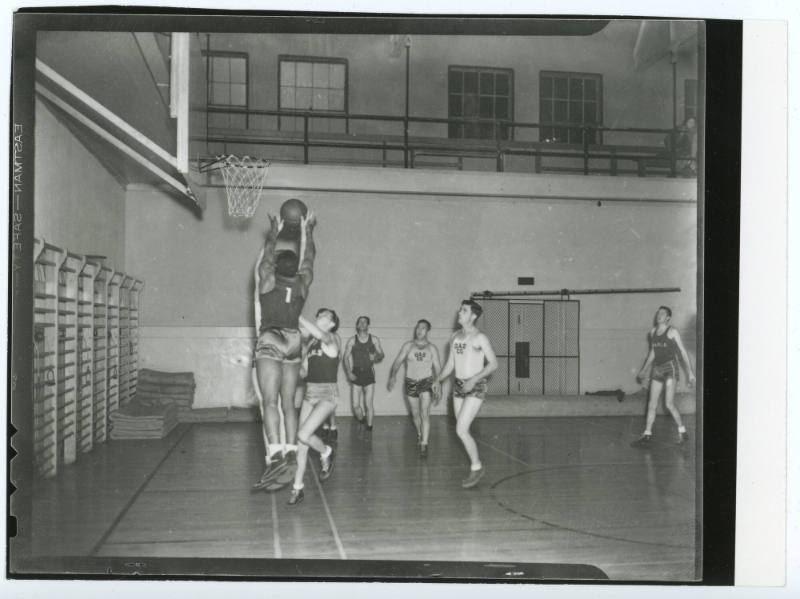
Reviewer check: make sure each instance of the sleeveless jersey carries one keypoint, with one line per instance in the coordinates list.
(321, 367)
(664, 348)
(281, 306)
(468, 355)
(419, 362)
(361, 352)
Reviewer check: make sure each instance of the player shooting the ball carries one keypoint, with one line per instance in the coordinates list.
(283, 278)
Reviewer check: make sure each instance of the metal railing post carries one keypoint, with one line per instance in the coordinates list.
(673, 153)
(497, 147)
(585, 150)
(305, 138)
(405, 142)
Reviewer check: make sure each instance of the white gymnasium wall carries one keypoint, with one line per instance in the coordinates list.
(402, 256)
(78, 205)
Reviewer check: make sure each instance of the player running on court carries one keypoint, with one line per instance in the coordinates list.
(472, 357)
(421, 359)
(282, 282)
(666, 348)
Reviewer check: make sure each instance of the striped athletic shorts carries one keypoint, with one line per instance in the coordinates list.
(665, 371)
(479, 390)
(416, 388)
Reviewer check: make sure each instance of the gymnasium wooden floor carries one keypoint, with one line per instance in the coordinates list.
(556, 490)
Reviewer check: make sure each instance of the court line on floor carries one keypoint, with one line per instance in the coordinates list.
(336, 537)
(132, 500)
(276, 535)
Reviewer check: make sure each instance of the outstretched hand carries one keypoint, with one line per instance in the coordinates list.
(308, 221)
(275, 226)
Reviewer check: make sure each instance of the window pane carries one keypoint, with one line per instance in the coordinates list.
(220, 93)
(287, 73)
(304, 74)
(546, 111)
(590, 89)
(455, 105)
(471, 131)
(287, 97)
(455, 79)
(336, 100)
(560, 135)
(501, 84)
(471, 82)
(486, 131)
(486, 107)
(560, 111)
(238, 94)
(321, 72)
(337, 76)
(560, 87)
(470, 105)
(238, 70)
(590, 113)
(547, 87)
(487, 83)
(576, 111)
(501, 108)
(221, 69)
(454, 131)
(302, 99)
(576, 89)
(320, 101)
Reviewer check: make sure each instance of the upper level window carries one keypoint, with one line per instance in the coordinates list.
(689, 98)
(316, 85)
(227, 87)
(480, 93)
(570, 99)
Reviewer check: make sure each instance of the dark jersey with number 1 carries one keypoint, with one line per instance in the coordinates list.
(282, 305)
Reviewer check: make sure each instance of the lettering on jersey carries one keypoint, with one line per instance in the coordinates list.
(459, 347)
(420, 355)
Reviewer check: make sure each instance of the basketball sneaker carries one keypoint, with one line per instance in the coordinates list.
(473, 478)
(275, 467)
(326, 465)
(296, 496)
(643, 442)
(333, 434)
(683, 438)
(423, 450)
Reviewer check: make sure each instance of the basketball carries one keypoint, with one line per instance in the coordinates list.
(292, 211)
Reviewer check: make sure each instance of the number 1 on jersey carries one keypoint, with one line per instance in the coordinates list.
(288, 295)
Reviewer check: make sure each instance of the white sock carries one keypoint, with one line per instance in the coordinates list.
(681, 429)
(300, 488)
(289, 448)
(274, 448)
(647, 434)
(476, 467)
(327, 452)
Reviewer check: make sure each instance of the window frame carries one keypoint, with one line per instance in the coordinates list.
(316, 59)
(598, 78)
(229, 54)
(511, 98)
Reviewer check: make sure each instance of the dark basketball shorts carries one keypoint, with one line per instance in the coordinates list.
(479, 390)
(281, 345)
(322, 392)
(364, 377)
(416, 388)
(663, 372)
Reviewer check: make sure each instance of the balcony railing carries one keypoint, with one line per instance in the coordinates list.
(633, 150)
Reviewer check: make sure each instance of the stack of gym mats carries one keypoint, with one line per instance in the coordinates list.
(173, 388)
(143, 421)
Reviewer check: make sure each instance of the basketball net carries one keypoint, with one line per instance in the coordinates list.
(244, 179)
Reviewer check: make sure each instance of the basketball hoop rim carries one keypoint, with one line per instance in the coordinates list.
(207, 165)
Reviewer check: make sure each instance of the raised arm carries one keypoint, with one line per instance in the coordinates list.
(398, 362)
(308, 251)
(326, 337)
(676, 336)
(266, 263)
